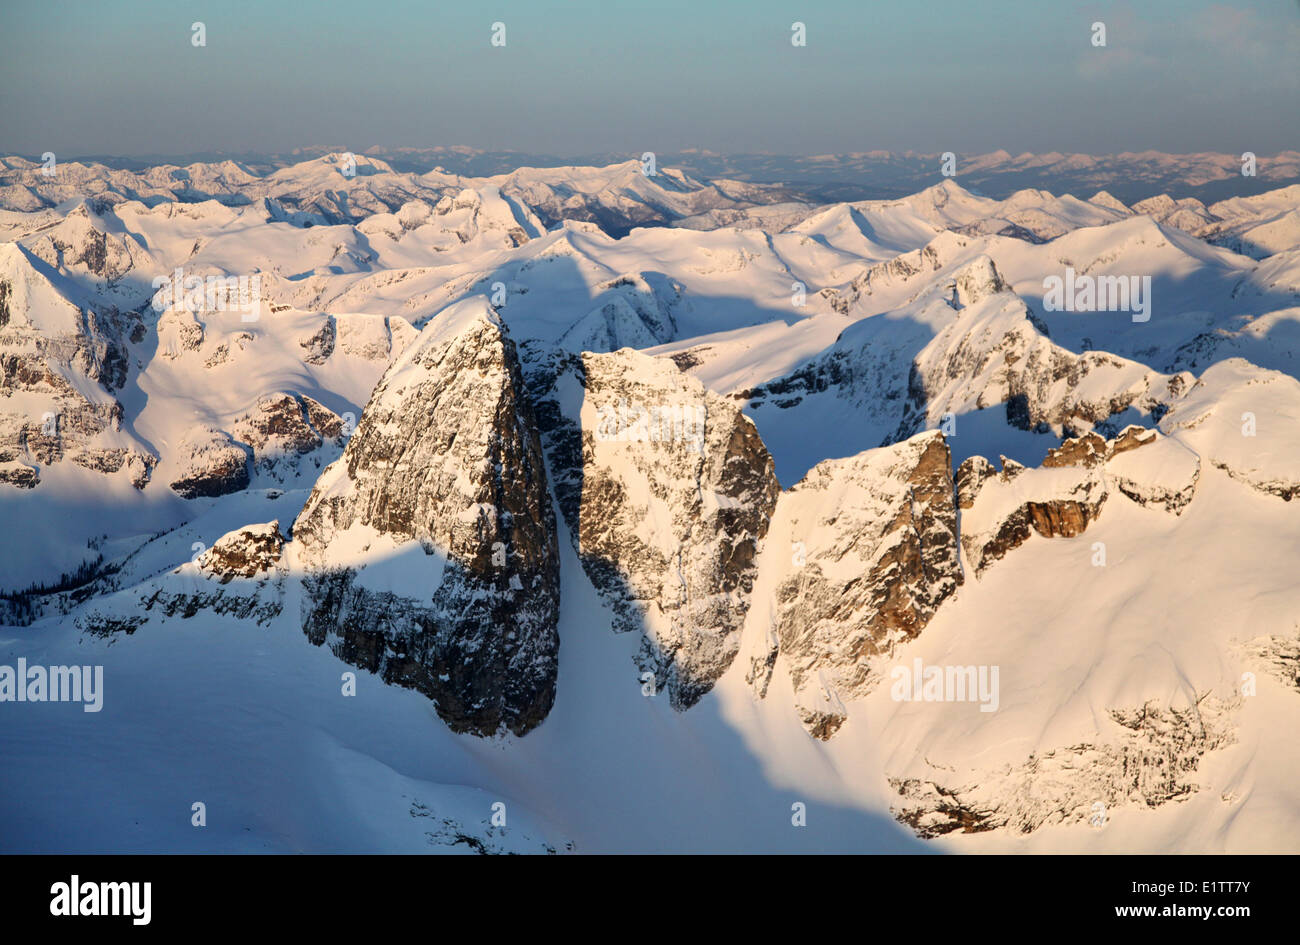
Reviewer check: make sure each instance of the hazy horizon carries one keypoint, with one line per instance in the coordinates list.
(308, 152)
(581, 78)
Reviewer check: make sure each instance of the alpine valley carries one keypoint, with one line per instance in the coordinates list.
(585, 509)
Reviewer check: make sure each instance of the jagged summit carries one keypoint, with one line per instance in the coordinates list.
(603, 496)
(443, 479)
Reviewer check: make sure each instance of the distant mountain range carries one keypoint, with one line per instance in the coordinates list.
(868, 175)
(548, 508)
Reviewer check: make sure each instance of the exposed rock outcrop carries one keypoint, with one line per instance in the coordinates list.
(139, 465)
(244, 553)
(667, 490)
(61, 364)
(892, 272)
(320, 345)
(240, 576)
(993, 353)
(78, 243)
(431, 545)
(1163, 474)
(1000, 510)
(967, 343)
(1279, 655)
(19, 474)
(631, 314)
(1144, 756)
(872, 546)
(210, 464)
(179, 333)
(284, 426)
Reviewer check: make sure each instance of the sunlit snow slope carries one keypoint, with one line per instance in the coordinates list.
(574, 509)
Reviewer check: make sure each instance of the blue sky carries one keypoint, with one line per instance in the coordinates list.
(121, 76)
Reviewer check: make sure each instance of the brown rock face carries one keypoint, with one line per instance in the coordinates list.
(1061, 518)
(1087, 450)
(1062, 497)
(1000, 512)
(970, 479)
(875, 555)
(1130, 438)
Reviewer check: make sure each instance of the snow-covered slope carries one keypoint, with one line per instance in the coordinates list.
(580, 509)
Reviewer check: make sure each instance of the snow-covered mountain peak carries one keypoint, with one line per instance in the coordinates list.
(977, 281)
(430, 547)
(739, 476)
(1103, 199)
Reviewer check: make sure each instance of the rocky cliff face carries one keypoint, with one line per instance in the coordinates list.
(242, 576)
(1162, 475)
(667, 490)
(210, 463)
(996, 353)
(1000, 510)
(967, 343)
(633, 311)
(892, 272)
(61, 365)
(872, 554)
(283, 427)
(18, 474)
(78, 243)
(431, 545)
